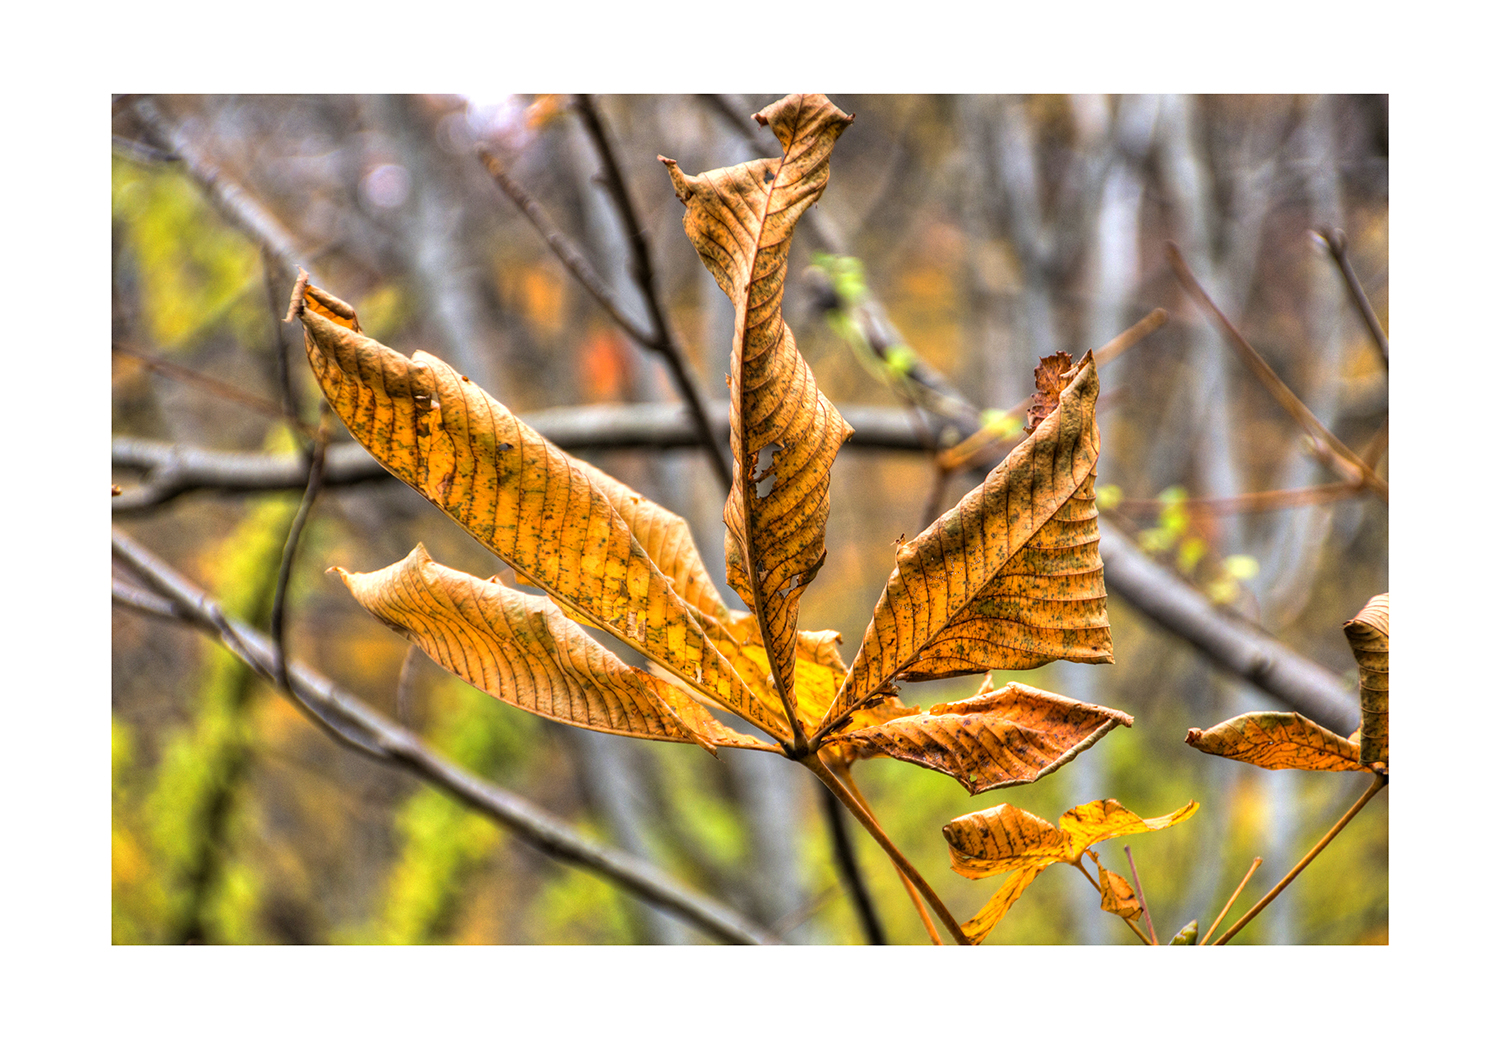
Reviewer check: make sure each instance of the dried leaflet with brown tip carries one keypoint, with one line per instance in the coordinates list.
(741, 219)
(996, 738)
(526, 500)
(1369, 635)
(522, 650)
(1009, 578)
(1276, 740)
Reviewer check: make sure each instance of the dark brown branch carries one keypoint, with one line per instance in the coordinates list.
(371, 732)
(1338, 248)
(315, 469)
(658, 339)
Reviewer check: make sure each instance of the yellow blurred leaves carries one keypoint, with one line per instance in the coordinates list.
(1005, 839)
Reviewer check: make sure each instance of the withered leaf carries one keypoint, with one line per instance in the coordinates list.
(1005, 839)
(525, 499)
(1052, 376)
(1117, 897)
(1369, 635)
(995, 738)
(784, 433)
(522, 650)
(1278, 739)
(1009, 578)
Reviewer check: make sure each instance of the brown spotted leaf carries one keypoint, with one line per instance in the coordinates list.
(529, 502)
(995, 738)
(522, 650)
(1369, 635)
(1009, 578)
(1005, 839)
(784, 433)
(1278, 739)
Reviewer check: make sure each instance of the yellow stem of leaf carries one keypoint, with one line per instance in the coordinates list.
(846, 776)
(868, 822)
(1375, 788)
(1225, 911)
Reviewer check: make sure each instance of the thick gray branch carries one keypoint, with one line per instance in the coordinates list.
(372, 732)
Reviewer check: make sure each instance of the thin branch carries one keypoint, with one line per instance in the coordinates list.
(1251, 501)
(846, 776)
(643, 271)
(1333, 452)
(1374, 788)
(848, 867)
(868, 821)
(367, 730)
(1338, 248)
(289, 553)
(173, 469)
(658, 340)
(243, 210)
(207, 383)
(1225, 911)
(1232, 644)
(1140, 893)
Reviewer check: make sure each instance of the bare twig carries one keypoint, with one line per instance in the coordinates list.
(1338, 248)
(658, 340)
(289, 554)
(1252, 501)
(367, 730)
(643, 272)
(846, 776)
(901, 862)
(1225, 911)
(209, 384)
(848, 867)
(1140, 893)
(1377, 785)
(243, 210)
(1338, 457)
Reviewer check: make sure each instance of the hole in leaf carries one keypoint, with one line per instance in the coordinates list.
(764, 475)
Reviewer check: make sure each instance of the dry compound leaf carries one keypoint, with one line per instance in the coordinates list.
(995, 738)
(1005, 839)
(1008, 578)
(1369, 635)
(784, 433)
(516, 493)
(1278, 739)
(520, 649)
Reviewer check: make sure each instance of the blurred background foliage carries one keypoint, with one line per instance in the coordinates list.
(991, 230)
